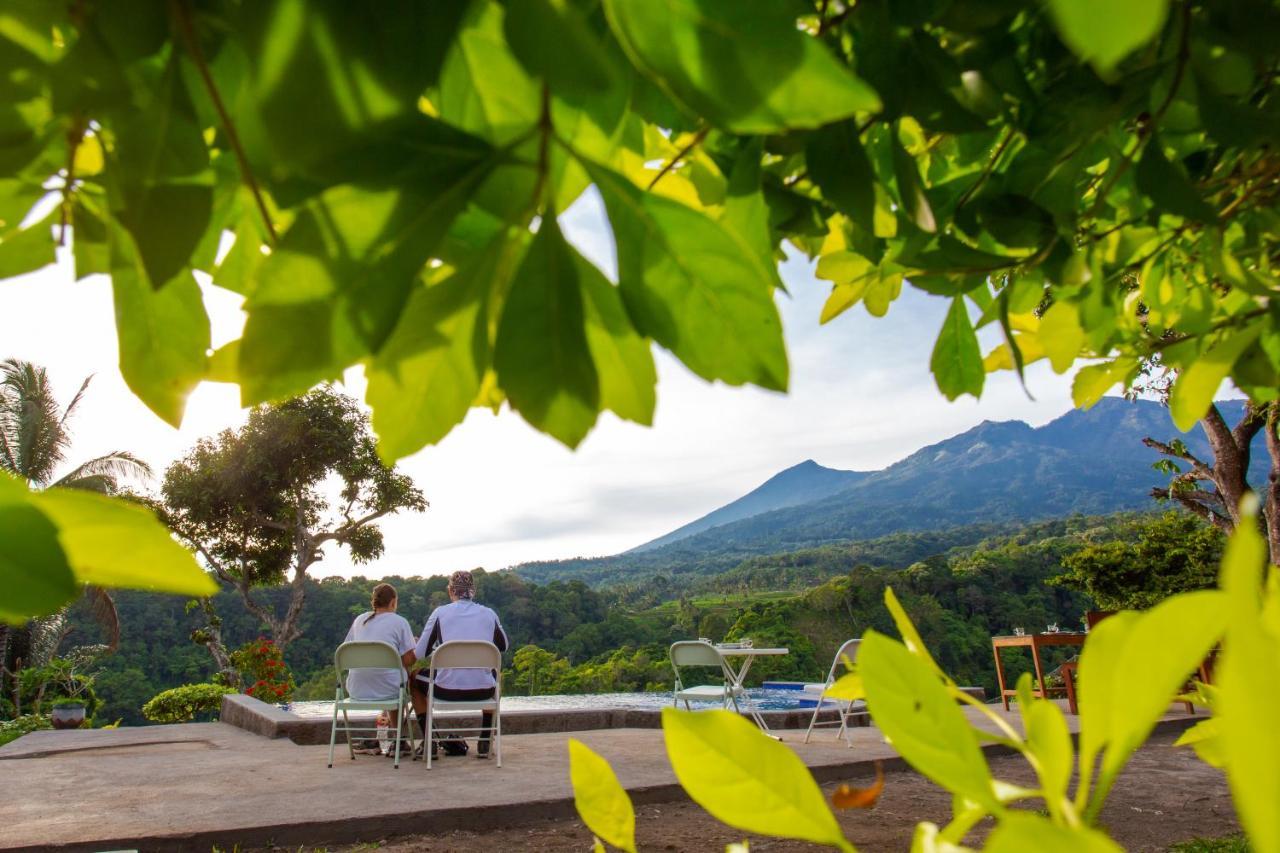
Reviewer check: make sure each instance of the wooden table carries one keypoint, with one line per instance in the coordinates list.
(1035, 642)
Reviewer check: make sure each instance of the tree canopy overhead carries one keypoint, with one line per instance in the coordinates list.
(1095, 179)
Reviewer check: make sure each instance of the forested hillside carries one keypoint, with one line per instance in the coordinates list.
(960, 587)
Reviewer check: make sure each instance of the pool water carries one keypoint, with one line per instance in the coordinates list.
(766, 699)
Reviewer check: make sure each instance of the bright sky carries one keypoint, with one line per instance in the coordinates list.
(501, 493)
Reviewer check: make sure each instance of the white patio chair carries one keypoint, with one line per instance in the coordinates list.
(847, 708)
(466, 654)
(368, 655)
(698, 653)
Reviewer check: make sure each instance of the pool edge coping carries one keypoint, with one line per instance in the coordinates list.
(260, 718)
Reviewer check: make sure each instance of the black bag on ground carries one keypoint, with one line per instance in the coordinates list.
(453, 744)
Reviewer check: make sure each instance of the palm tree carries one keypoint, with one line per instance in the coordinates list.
(34, 440)
(34, 437)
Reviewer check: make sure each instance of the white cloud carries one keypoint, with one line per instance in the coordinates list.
(861, 397)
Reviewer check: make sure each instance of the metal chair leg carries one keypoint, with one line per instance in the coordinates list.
(497, 735)
(346, 728)
(333, 728)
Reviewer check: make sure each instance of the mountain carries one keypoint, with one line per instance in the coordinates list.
(1088, 462)
(799, 484)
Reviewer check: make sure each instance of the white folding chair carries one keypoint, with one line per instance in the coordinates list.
(847, 708)
(466, 654)
(368, 655)
(698, 653)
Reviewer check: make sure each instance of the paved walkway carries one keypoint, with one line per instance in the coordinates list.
(193, 786)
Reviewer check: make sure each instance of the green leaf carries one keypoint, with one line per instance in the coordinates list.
(1197, 385)
(844, 266)
(323, 76)
(915, 203)
(89, 244)
(422, 382)
(848, 687)
(28, 249)
(162, 188)
(1233, 122)
(745, 211)
(842, 298)
(920, 718)
(882, 289)
(1104, 32)
(1167, 184)
(1050, 742)
(1094, 380)
(910, 636)
(1130, 670)
(542, 358)
(622, 357)
(747, 779)
(34, 572)
(840, 167)
(553, 40)
(1248, 680)
(743, 64)
(693, 286)
(957, 359)
(334, 287)
(113, 542)
(483, 87)
(1061, 335)
(601, 801)
(1205, 737)
(1018, 832)
(163, 333)
(1014, 220)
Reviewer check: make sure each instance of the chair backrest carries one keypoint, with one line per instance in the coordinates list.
(466, 654)
(695, 653)
(849, 649)
(367, 655)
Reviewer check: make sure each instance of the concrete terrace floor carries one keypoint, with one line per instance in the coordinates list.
(193, 786)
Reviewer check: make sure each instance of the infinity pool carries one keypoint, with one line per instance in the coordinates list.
(766, 698)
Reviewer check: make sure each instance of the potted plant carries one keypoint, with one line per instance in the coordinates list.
(68, 713)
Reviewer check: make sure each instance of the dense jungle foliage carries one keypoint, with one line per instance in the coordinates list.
(568, 637)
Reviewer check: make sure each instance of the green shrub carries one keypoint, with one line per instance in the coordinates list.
(186, 703)
(1173, 553)
(11, 730)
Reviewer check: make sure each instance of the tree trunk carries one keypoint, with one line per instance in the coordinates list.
(306, 554)
(285, 631)
(210, 636)
(17, 653)
(1271, 494)
(1228, 472)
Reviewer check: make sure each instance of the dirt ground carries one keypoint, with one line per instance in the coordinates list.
(1166, 795)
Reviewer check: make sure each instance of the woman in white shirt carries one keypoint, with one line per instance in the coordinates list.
(383, 625)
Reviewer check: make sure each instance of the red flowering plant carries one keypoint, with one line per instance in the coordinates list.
(262, 667)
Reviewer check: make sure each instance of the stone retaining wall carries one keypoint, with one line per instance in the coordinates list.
(270, 721)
